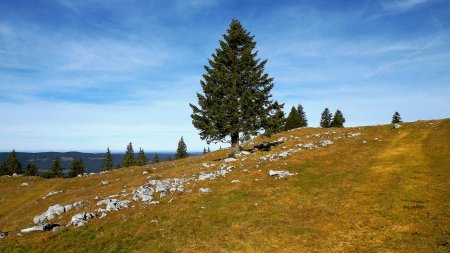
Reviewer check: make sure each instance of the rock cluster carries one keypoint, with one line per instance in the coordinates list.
(80, 219)
(52, 193)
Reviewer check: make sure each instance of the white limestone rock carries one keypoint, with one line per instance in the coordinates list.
(205, 190)
(80, 219)
(49, 214)
(280, 173)
(103, 182)
(144, 193)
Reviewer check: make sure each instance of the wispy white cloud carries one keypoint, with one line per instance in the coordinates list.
(402, 5)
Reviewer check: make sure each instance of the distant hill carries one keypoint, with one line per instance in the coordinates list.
(92, 161)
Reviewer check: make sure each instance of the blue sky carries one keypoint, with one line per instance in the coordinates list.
(84, 75)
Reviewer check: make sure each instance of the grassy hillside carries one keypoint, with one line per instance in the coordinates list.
(385, 190)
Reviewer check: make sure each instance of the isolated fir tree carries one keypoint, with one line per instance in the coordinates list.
(396, 118)
(236, 95)
(338, 119)
(77, 168)
(155, 158)
(31, 170)
(108, 162)
(209, 150)
(128, 158)
(204, 150)
(181, 150)
(56, 170)
(302, 116)
(12, 164)
(141, 159)
(292, 120)
(325, 120)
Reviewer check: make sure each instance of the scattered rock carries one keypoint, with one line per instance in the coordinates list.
(103, 182)
(145, 172)
(49, 214)
(283, 154)
(236, 181)
(81, 219)
(154, 221)
(325, 143)
(3, 234)
(145, 193)
(396, 125)
(205, 190)
(113, 205)
(81, 203)
(280, 173)
(24, 184)
(229, 160)
(41, 227)
(52, 193)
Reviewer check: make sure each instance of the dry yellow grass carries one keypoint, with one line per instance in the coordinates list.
(390, 194)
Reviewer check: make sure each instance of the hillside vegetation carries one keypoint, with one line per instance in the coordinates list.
(374, 189)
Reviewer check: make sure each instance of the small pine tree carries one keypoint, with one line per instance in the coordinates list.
(325, 120)
(302, 116)
(209, 150)
(12, 164)
(56, 170)
(338, 120)
(108, 162)
(141, 159)
(77, 168)
(204, 150)
(293, 120)
(128, 158)
(396, 118)
(31, 170)
(155, 158)
(181, 150)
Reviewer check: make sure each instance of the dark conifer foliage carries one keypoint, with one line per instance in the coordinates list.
(396, 118)
(12, 164)
(292, 120)
(204, 150)
(77, 168)
(209, 150)
(31, 170)
(338, 119)
(155, 158)
(108, 162)
(3, 170)
(128, 158)
(56, 170)
(141, 159)
(181, 150)
(325, 120)
(236, 95)
(302, 116)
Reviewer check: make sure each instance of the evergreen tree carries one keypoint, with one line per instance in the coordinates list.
(108, 162)
(209, 150)
(31, 170)
(12, 164)
(77, 168)
(128, 158)
(204, 150)
(169, 158)
(56, 170)
(325, 120)
(3, 170)
(141, 159)
(302, 116)
(155, 158)
(338, 119)
(236, 95)
(293, 120)
(181, 150)
(118, 166)
(396, 118)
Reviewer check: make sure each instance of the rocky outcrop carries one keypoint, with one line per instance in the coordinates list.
(51, 212)
(280, 173)
(42, 227)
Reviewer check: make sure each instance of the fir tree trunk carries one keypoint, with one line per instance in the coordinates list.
(235, 143)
